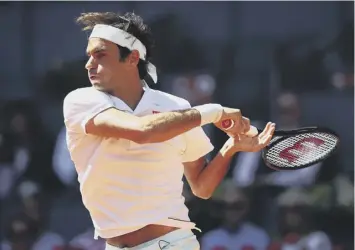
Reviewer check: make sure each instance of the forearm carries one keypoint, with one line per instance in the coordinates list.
(212, 175)
(164, 126)
(114, 123)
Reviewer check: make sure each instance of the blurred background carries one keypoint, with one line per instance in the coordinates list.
(288, 62)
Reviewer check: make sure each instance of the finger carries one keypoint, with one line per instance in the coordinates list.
(236, 129)
(262, 144)
(245, 124)
(269, 136)
(266, 141)
(273, 127)
(237, 138)
(265, 130)
(269, 132)
(266, 136)
(269, 129)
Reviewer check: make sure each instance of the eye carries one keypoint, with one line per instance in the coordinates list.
(99, 55)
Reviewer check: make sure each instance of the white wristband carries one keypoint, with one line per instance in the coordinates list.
(210, 113)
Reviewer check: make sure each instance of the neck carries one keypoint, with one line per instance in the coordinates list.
(131, 93)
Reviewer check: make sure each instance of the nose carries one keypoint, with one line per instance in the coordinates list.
(91, 63)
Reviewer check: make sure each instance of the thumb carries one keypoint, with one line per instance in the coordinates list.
(237, 138)
(231, 135)
(241, 137)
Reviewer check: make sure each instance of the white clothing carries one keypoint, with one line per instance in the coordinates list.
(248, 236)
(125, 185)
(180, 239)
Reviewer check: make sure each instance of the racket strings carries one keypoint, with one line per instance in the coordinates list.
(301, 149)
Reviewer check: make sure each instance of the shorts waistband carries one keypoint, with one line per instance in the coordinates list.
(168, 238)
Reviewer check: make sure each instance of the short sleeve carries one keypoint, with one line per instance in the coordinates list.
(83, 104)
(197, 143)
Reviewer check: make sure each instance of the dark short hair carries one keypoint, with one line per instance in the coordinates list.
(131, 23)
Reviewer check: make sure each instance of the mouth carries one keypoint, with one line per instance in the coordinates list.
(92, 77)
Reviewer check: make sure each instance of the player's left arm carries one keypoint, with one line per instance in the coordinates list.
(203, 179)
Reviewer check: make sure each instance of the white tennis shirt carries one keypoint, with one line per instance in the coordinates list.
(125, 185)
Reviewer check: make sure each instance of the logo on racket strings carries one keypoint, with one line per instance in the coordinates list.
(292, 153)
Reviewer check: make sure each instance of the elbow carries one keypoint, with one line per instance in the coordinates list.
(202, 194)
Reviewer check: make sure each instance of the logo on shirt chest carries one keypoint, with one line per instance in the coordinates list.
(156, 112)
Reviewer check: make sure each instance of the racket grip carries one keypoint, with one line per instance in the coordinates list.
(228, 124)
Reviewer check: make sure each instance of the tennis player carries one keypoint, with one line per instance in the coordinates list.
(131, 145)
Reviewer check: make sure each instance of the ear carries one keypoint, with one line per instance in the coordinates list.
(133, 58)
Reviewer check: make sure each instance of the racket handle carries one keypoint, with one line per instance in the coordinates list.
(228, 124)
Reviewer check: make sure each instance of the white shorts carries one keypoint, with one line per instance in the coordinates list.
(183, 239)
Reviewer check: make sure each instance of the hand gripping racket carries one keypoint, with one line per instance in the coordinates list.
(295, 149)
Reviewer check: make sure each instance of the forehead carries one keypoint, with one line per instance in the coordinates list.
(95, 44)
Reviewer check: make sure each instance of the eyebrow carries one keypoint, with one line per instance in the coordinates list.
(96, 50)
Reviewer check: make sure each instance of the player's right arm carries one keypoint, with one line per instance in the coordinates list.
(92, 112)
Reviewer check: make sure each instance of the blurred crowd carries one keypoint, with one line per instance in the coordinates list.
(255, 208)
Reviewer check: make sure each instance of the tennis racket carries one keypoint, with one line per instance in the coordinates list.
(295, 149)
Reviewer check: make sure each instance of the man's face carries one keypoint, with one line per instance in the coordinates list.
(104, 66)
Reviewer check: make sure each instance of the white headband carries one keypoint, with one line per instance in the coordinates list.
(124, 39)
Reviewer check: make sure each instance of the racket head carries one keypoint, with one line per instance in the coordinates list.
(300, 148)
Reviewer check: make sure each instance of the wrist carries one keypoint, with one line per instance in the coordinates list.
(210, 113)
(228, 150)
